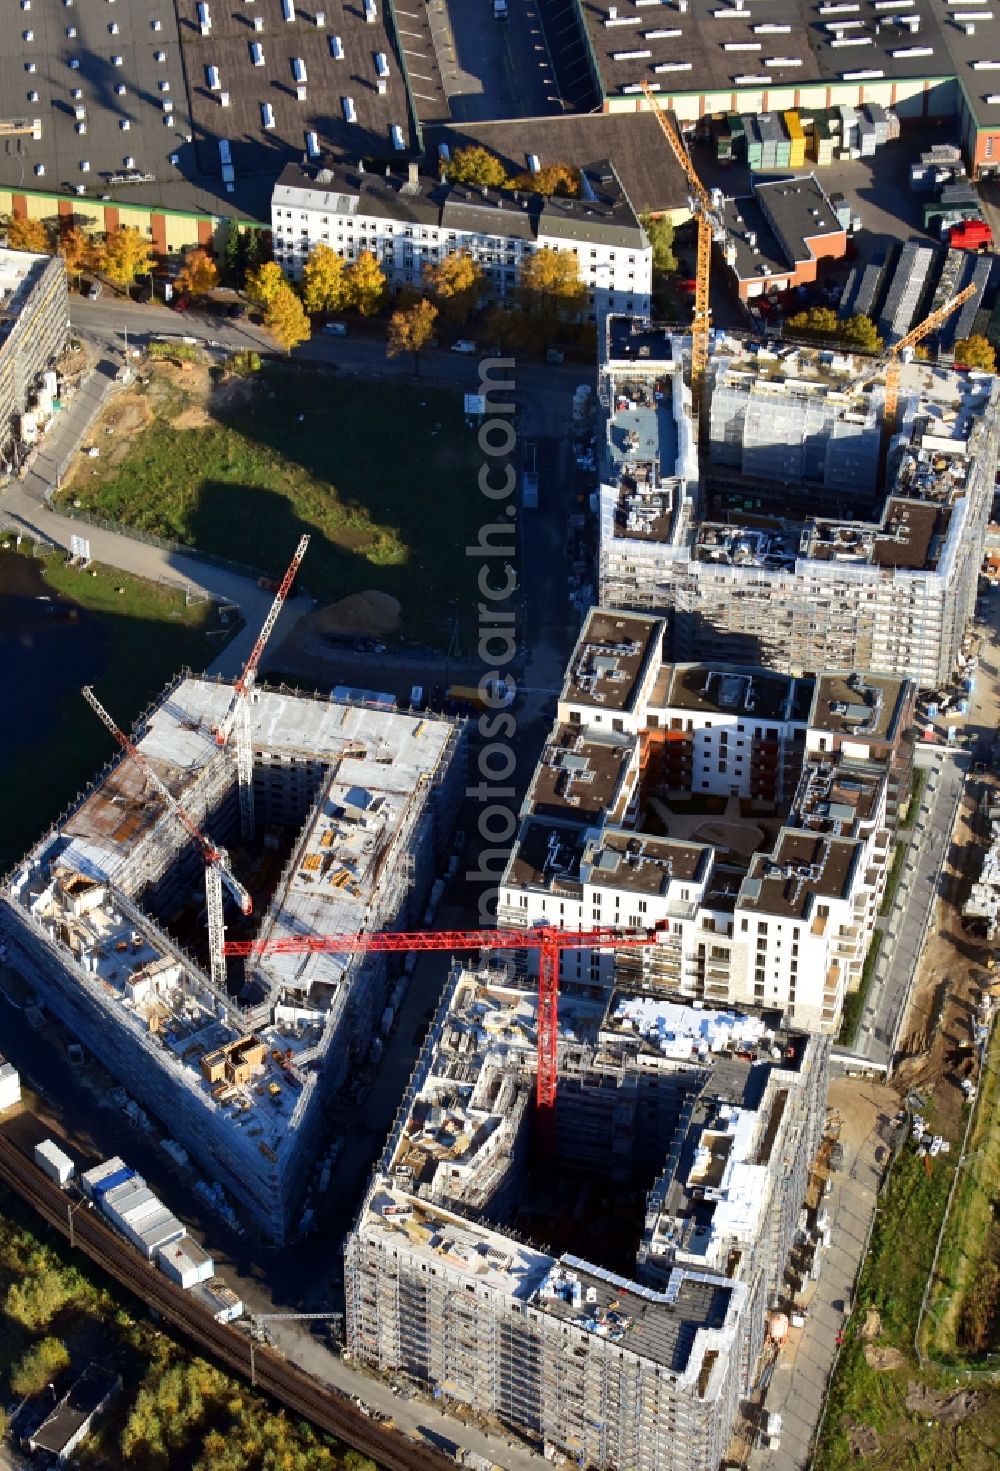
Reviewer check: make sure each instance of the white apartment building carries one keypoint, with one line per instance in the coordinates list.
(783, 545)
(409, 221)
(769, 896)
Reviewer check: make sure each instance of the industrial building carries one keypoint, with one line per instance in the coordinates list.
(776, 236)
(354, 806)
(785, 542)
(34, 330)
(922, 58)
(70, 1422)
(769, 895)
(627, 1329)
(409, 221)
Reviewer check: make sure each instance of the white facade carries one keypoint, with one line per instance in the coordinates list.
(407, 232)
(10, 1086)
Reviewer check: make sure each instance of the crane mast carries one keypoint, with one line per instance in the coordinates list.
(237, 717)
(915, 335)
(217, 869)
(546, 939)
(709, 226)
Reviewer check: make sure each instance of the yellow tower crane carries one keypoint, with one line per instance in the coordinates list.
(709, 227)
(890, 359)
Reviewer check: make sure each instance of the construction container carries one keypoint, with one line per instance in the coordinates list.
(842, 210)
(54, 1162)
(848, 128)
(823, 141)
(220, 1300)
(738, 134)
(94, 1178)
(796, 141)
(722, 139)
(783, 142)
(877, 115)
(971, 234)
(866, 137)
(906, 290)
(10, 1086)
(185, 1262)
(754, 143)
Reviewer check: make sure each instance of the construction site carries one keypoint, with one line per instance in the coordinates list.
(835, 515)
(595, 1275)
(337, 816)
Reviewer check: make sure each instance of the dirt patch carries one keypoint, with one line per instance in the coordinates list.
(883, 1358)
(873, 1324)
(863, 1440)
(362, 613)
(231, 393)
(949, 1409)
(948, 984)
(745, 838)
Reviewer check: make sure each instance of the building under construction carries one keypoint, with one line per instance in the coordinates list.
(601, 1285)
(353, 808)
(802, 536)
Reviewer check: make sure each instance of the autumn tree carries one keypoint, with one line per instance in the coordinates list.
(76, 248)
(324, 288)
(25, 234)
(861, 333)
(456, 284)
(411, 330)
(477, 166)
(555, 178)
(264, 283)
(39, 1294)
(285, 318)
(124, 255)
(198, 275)
(551, 285)
(976, 352)
(365, 282)
(660, 234)
(38, 1366)
(819, 321)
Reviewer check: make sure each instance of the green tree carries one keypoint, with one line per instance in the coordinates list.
(551, 285)
(411, 330)
(976, 352)
(38, 1366)
(456, 284)
(354, 1461)
(820, 321)
(660, 233)
(861, 333)
(256, 249)
(25, 234)
(324, 288)
(198, 275)
(285, 318)
(264, 283)
(124, 255)
(555, 178)
(365, 281)
(232, 255)
(477, 166)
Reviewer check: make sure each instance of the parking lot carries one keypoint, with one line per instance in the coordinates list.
(492, 68)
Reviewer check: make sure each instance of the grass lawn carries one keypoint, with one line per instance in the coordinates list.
(854, 1001)
(128, 644)
(892, 1281)
(917, 783)
(386, 474)
(963, 1319)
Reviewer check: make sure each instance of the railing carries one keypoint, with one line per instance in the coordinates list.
(165, 544)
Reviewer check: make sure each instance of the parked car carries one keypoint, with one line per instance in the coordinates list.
(335, 329)
(463, 345)
(94, 291)
(237, 311)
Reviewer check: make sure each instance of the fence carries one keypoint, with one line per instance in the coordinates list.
(176, 548)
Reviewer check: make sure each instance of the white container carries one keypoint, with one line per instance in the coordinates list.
(54, 1162)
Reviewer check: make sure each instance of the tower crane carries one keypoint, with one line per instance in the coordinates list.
(238, 714)
(548, 940)
(217, 869)
(890, 358)
(710, 227)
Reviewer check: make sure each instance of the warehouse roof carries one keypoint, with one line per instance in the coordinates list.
(716, 48)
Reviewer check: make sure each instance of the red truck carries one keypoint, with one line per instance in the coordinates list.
(970, 235)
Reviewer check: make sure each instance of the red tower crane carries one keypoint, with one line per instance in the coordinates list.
(546, 939)
(217, 870)
(238, 712)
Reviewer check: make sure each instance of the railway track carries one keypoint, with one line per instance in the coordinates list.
(274, 1375)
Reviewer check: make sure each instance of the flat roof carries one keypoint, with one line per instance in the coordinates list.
(802, 866)
(732, 690)
(912, 534)
(579, 777)
(866, 705)
(635, 340)
(623, 859)
(834, 795)
(75, 1409)
(649, 174)
(611, 657)
(715, 48)
(547, 855)
(799, 211)
(755, 245)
